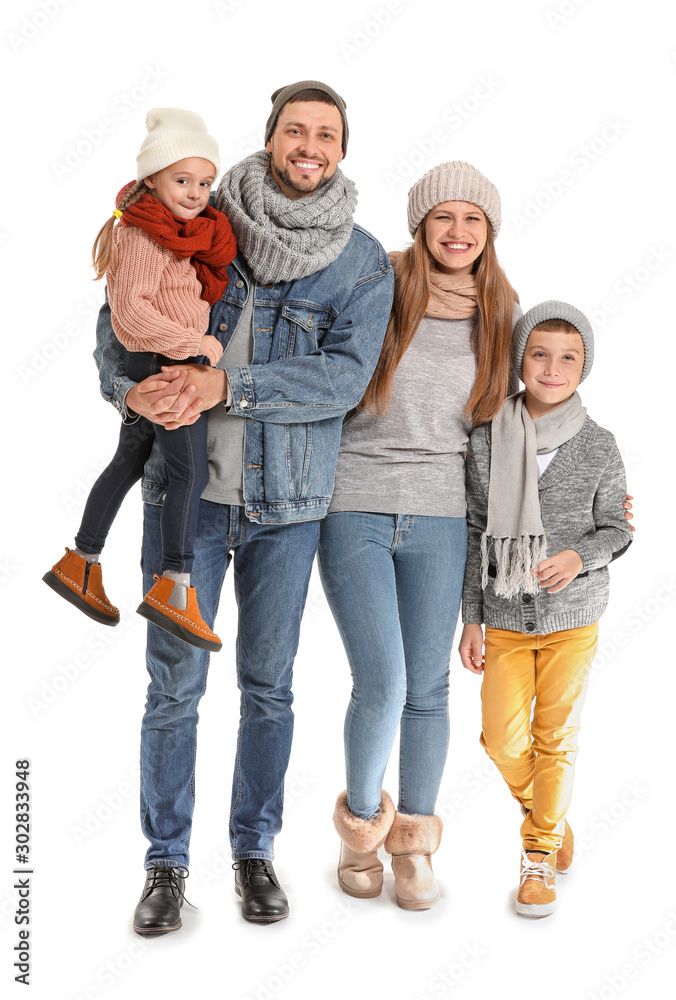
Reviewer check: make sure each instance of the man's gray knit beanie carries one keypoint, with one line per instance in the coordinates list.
(453, 181)
(286, 94)
(552, 309)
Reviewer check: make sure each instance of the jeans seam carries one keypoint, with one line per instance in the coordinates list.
(162, 863)
(239, 733)
(243, 855)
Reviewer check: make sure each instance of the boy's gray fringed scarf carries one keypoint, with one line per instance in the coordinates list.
(514, 523)
(282, 239)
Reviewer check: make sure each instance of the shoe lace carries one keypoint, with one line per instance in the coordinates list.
(534, 869)
(169, 878)
(252, 866)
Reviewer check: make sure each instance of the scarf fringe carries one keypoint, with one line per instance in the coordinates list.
(515, 558)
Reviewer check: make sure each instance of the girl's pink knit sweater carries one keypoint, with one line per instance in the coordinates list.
(154, 297)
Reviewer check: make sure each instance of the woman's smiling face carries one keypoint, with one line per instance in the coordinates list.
(455, 233)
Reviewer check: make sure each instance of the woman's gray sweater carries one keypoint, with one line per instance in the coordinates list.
(581, 495)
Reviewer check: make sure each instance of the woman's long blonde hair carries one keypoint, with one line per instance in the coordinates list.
(491, 338)
(102, 251)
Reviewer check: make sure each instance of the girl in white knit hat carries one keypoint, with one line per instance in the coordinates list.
(165, 253)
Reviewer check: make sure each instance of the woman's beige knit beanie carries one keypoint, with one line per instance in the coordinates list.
(453, 181)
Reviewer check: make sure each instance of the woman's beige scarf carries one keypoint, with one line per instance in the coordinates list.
(451, 296)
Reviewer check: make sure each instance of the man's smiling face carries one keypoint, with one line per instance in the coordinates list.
(306, 146)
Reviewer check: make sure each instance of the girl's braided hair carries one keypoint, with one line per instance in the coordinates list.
(102, 251)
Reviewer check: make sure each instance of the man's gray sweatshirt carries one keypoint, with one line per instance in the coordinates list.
(581, 495)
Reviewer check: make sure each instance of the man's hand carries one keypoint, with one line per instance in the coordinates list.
(209, 387)
(161, 398)
(627, 511)
(471, 648)
(556, 572)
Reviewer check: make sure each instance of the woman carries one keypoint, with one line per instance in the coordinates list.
(392, 547)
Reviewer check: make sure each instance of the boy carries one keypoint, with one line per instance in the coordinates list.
(545, 488)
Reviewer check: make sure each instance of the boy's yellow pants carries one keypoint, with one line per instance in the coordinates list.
(536, 757)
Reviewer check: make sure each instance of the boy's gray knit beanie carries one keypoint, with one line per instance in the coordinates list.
(552, 309)
(453, 181)
(286, 94)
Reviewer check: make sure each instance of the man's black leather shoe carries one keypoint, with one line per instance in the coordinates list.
(159, 908)
(263, 898)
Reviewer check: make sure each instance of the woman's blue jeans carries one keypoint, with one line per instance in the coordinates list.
(394, 583)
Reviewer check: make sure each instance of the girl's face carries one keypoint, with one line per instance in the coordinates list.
(183, 187)
(455, 233)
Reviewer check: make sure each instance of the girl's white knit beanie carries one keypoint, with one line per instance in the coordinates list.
(174, 134)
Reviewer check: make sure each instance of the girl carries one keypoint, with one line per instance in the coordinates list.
(392, 547)
(166, 264)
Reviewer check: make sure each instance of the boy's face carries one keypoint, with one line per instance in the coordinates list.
(552, 368)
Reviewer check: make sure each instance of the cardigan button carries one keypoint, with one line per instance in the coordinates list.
(530, 627)
(223, 327)
(526, 598)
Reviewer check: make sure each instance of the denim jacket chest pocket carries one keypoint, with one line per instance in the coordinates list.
(301, 329)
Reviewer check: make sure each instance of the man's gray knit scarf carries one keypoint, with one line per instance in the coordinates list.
(514, 523)
(282, 239)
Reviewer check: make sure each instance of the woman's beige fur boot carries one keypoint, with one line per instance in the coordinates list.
(360, 871)
(411, 842)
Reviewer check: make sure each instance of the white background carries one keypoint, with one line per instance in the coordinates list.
(567, 105)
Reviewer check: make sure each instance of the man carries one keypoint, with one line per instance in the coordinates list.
(302, 322)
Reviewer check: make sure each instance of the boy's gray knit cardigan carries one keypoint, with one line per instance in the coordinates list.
(581, 495)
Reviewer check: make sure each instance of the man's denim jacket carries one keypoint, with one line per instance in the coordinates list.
(316, 344)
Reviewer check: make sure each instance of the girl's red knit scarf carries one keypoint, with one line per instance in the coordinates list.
(207, 240)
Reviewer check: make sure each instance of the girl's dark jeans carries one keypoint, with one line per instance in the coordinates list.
(185, 455)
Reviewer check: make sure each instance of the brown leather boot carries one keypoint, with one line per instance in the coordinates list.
(81, 584)
(360, 870)
(411, 842)
(537, 885)
(185, 624)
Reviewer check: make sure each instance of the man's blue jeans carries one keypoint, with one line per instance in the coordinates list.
(394, 582)
(272, 566)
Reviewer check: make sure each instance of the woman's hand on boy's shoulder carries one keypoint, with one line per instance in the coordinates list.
(556, 572)
(471, 648)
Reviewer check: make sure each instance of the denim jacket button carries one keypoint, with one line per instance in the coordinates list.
(239, 284)
(243, 402)
(223, 327)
